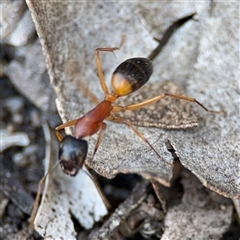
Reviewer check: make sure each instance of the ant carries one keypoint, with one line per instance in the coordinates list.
(127, 78)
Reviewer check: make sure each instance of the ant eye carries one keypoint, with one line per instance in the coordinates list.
(72, 154)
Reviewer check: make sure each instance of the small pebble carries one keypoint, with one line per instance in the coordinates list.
(10, 139)
(14, 104)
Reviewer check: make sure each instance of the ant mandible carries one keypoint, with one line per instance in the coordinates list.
(127, 78)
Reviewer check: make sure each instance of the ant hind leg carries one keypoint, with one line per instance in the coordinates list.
(99, 139)
(136, 106)
(122, 120)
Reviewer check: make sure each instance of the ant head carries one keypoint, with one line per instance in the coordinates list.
(130, 75)
(72, 154)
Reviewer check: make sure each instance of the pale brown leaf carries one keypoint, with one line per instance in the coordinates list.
(196, 57)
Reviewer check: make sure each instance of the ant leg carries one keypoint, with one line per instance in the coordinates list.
(154, 99)
(107, 204)
(88, 93)
(62, 126)
(99, 65)
(36, 203)
(122, 120)
(99, 139)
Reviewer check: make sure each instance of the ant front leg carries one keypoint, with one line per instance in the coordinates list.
(128, 123)
(136, 106)
(99, 139)
(99, 65)
(62, 126)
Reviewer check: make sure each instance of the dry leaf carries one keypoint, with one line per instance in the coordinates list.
(14, 190)
(110, 228)
(201, 57)
(30, 76)
(198, 214)
(201, 214)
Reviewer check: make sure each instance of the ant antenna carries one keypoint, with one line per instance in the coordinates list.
(37, 199)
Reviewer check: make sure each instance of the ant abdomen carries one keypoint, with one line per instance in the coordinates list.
(130, 75)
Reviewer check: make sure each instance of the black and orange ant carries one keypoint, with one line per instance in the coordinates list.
(127, 78)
